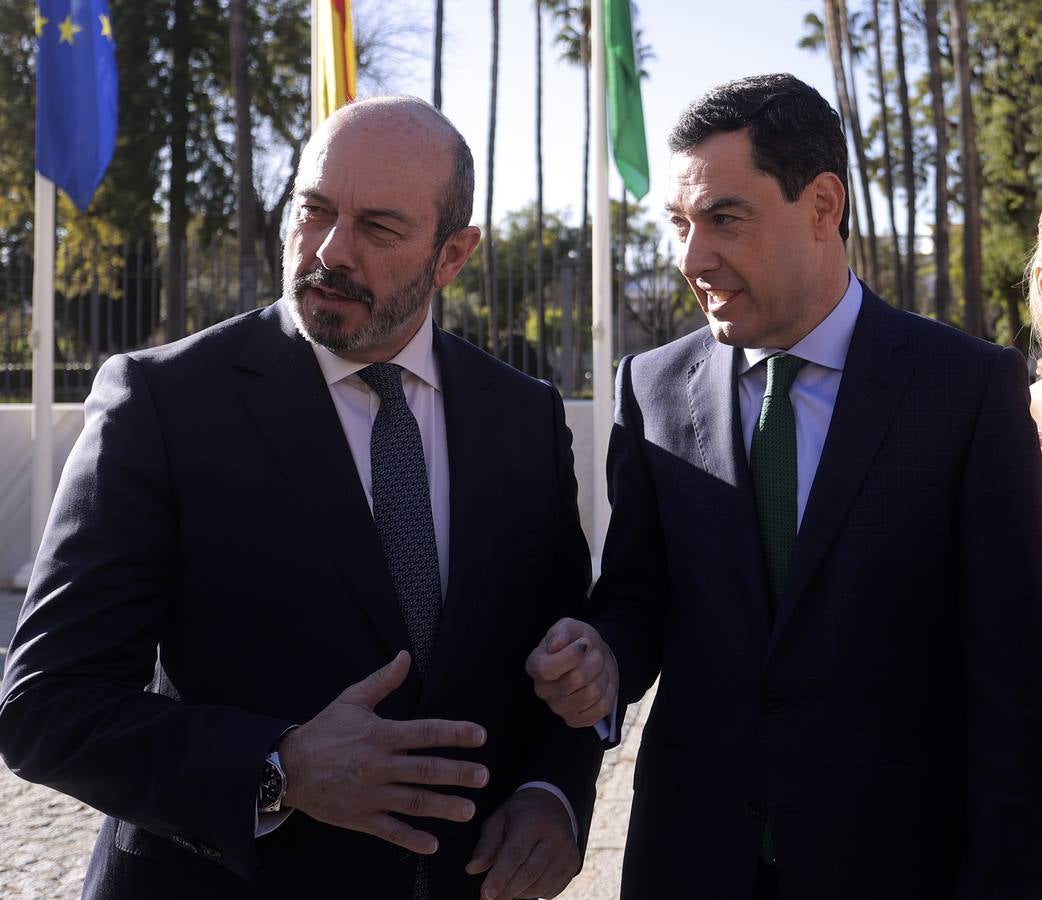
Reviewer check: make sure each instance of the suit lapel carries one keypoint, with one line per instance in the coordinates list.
(712, 392)
(474, 506)
(289, 401)
(874, 379)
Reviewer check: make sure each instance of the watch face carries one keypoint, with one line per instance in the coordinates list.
(272, 784)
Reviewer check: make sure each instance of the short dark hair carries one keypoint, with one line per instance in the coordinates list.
(456, 203)
(795, 134)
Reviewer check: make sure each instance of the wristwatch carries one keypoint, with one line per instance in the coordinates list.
(272, 788)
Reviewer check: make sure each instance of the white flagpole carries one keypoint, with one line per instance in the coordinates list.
(603, 388)
(42, 340)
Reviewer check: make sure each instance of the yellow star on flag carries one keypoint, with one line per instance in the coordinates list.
(68, 30)
(40, 22)
(106, 27)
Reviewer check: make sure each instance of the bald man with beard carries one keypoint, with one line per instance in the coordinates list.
(278, 622)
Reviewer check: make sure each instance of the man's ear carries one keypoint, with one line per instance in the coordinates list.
(828, 197)
(454, 253)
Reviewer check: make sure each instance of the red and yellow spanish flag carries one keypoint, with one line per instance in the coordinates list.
(332, 58)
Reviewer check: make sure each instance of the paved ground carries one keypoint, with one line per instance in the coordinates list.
(45, 837)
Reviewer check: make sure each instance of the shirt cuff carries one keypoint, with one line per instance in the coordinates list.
(268, 822)
(608, 728)
(559, 794)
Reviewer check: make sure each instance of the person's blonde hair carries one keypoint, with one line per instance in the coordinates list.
(1034, 294)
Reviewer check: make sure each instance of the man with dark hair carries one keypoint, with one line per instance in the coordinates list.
(825, 543)
(277, 625)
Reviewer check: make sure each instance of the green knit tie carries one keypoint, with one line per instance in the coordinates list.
(773, 465)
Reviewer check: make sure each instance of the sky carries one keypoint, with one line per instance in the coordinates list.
(697, 44)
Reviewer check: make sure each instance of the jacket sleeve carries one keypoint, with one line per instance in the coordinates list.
(629, 597)
(567, 758)
(76, 711)
(999, 530)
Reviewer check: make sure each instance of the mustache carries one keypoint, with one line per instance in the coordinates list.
(332, 280)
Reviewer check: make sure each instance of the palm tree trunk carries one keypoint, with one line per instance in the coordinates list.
(888, 165)
(439, 22)
(909, 158)
(247, 215)
(489, 256)
(540, 301)
(971, 234)
(180, 86)
(859, 149)
(582, 294)
(835, 50)
(942, 285)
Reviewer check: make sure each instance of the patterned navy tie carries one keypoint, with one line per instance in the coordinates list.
(402, 510)
(405, 526)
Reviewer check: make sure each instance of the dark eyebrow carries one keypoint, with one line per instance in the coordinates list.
(715, 206)
(307, 195)
(379, 213)
(369, 212)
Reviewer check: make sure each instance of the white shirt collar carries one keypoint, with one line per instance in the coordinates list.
(828, 343)
(416, 357)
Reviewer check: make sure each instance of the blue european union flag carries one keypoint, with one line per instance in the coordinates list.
(76, 91)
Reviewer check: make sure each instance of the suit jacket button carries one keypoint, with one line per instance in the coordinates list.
(774, 703)
(752, 808)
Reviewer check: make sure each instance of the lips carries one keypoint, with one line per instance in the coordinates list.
(718, 299)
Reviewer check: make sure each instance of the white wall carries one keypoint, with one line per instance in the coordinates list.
(16, 469)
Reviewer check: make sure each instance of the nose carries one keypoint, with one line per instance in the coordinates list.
(696, 254)
(337, 250)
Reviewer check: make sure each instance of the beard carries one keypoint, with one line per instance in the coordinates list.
(387, 314)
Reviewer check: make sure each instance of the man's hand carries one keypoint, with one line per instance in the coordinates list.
(527, 848)
(350, 768)
(575, 673)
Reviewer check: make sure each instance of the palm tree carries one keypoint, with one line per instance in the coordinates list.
(439, 21)
(540, 300)
(942, 287)
(488, 257)
(908, 164)
(246, 207)
(854, 51)
(888, 165)
(574, 42)
(971, 234)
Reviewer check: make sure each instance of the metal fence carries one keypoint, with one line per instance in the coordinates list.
(114, 299)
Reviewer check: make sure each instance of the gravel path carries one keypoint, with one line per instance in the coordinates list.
(46, 837)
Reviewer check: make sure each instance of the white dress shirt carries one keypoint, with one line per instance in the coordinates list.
(814, 391)
(356, 405)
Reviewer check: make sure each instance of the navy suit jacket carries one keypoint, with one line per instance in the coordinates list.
(889, 721)
(211, 574)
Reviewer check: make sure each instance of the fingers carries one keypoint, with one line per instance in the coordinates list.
(492, 834)
(396, 831)
(564, 647)
(517, 869)
(421, 733)
(423, 804)
(382, 683)
(588, 670)
(435, 770)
